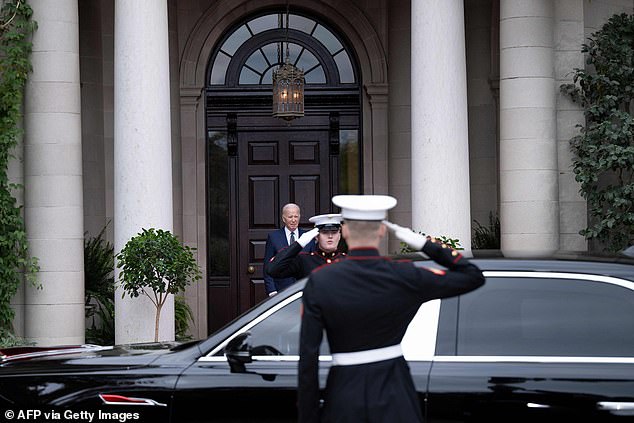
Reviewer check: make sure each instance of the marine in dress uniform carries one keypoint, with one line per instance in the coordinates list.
(297, 263)
(364, 304)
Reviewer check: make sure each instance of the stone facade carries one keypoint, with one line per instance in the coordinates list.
(507, 145)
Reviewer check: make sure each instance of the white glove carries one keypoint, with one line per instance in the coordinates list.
(406, 235)
(306, 237)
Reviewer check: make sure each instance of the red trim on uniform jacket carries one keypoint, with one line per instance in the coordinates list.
(435, 271)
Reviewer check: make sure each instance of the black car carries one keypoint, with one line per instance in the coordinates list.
(542, 340)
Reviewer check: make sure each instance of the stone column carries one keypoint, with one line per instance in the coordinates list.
(193, 143)
(440, 144)
(399, 112)
(53, 199)
(569, 35)
(142, 149)
(378, 95)
(529, 214)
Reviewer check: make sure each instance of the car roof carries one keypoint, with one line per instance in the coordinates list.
(593, 264)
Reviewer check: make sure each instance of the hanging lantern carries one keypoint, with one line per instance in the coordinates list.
(288, 92)
(288, 84)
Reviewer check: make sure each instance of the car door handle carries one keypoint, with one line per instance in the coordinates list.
(618, 408)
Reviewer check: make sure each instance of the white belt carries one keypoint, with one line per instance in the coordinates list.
(367, 356)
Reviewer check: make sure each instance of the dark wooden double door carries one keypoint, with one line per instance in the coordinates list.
(269, 167)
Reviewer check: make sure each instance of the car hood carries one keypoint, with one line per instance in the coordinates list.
(79, 357)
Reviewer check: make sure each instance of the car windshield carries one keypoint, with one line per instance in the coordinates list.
(184, 345)
(276, 332)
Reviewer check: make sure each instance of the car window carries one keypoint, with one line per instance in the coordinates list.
(280, 331)
(544, 317)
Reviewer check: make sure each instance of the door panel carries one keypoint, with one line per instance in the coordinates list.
(540, 347)
(267, 392)
(262, 201)
(306, 191)
(466, 391)
(209, 392)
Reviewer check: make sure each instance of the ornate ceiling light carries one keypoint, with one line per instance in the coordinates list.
(288, 87)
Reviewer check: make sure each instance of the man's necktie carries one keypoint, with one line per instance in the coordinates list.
(292, 238)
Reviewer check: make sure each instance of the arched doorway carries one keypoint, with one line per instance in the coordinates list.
(256, 163)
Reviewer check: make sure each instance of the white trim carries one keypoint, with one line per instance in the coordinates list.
(275, 358)
(264, 358)
(456, 359)
(213, 359)
(561, 275)
(530, 359)
(283, 358)
(367, 356)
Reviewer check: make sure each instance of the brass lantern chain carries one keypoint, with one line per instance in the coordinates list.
(288, 51)
(288, 85)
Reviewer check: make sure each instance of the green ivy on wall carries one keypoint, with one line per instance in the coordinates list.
(603, 160)
(16, 28)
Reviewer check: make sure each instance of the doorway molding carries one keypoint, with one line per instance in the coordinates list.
(371, 58)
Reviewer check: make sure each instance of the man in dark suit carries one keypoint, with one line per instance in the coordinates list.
(279, 239)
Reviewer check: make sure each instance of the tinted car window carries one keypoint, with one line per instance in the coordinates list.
(542, 317)
(281, 331)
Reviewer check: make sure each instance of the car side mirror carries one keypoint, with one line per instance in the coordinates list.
(238, 352)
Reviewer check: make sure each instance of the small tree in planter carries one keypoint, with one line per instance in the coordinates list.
(155, 264)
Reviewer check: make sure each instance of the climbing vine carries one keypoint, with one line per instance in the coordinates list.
(603, 160)
(16, 28)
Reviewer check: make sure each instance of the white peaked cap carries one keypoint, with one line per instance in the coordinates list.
(364, 207)
(326, 219)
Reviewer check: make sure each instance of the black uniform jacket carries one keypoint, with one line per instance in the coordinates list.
(293, 262)
(366, 302)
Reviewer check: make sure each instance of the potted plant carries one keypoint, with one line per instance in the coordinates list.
(99, 289)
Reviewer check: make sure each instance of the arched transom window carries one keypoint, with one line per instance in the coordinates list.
(248, 55)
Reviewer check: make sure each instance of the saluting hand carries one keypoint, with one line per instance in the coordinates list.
(406, 235)
(306, 237)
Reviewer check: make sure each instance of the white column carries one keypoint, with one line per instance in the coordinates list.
(569, 35)
(529, 215)
(440, 144)
(53, 177)
(142, 150)
(378, 95)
